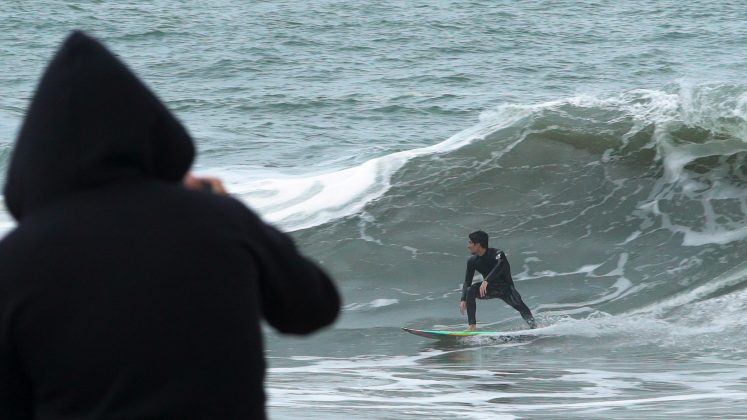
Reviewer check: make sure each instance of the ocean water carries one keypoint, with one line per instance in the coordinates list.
(601, 144)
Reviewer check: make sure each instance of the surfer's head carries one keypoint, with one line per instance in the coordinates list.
(478, 241)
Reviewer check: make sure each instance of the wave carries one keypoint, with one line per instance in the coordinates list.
(691, 138)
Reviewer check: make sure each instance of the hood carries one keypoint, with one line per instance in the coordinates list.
(91, 123)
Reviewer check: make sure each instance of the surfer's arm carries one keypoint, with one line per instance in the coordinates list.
(492, 275)
(469, 275)
(296, 296)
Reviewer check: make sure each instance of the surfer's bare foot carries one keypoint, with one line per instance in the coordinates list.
(471, 328)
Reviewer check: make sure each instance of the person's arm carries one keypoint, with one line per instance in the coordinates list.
(467, 283)
(296, 295)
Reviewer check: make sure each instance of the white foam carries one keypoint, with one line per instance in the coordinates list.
(585, 269)
(735, 276)
(461, 383)
(6, 221)
(715, 108)
(622, 286)
(376, 303)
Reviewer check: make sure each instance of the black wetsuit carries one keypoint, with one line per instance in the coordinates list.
(494, 267)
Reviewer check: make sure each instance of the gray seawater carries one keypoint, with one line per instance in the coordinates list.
(601, 144)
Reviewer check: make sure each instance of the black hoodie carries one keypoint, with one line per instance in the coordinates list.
(122, 294)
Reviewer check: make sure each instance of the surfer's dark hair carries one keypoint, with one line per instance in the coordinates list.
(479, 237)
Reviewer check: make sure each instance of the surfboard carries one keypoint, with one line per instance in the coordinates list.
(496, 335)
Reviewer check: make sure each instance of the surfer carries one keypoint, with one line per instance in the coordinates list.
(497, 282)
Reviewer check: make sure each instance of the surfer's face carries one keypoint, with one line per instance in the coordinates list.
(473, 247)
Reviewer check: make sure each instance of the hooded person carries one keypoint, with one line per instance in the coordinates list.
(124, 294)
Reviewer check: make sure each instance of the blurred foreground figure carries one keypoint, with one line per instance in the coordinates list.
(126, 291)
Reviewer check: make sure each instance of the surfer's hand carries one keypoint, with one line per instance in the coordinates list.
(205, 183)
(462, 307)
(483, 288)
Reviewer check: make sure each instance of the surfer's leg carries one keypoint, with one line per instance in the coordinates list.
(513, 298)
(472, 293)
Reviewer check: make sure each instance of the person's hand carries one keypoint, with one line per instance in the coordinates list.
(483, 289)
(462, 307)
(204, 183)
